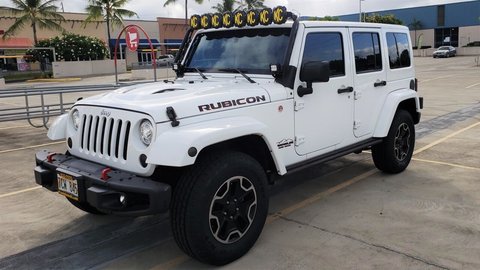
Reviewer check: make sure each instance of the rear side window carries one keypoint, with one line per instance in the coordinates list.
(398, 50)
(325, 47)
(368, 56)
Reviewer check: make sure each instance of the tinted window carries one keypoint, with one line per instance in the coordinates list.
(326, 47)
(250, 50)
(398, 50)
(368, 56)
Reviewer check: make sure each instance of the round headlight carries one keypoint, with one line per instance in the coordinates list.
(146, 132)
(76, 119)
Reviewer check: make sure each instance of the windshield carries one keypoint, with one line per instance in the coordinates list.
(444, 48)
(249, 50)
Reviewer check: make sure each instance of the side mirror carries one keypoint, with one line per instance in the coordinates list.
(315, 71)
(312, 72)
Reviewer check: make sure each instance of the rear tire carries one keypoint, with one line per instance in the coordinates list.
(85, 207)
(395, 152)
(219, 207)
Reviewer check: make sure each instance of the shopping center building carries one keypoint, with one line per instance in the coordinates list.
(456, 24)
(165, 34)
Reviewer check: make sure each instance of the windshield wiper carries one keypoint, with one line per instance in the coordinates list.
(239, 72)
(201, 73)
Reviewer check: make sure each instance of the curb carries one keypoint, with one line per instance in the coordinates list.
(55, 80)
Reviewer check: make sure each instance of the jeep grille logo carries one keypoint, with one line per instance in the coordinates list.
(105, 113)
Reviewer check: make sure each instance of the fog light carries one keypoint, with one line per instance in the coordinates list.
(143, 160)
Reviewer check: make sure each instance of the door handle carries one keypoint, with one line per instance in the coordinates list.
(345, 90)
(378, 84)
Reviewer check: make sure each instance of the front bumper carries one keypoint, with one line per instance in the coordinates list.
(143, 196)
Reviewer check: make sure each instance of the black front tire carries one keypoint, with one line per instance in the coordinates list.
(85, 207)
(200, 202)
(393, 155)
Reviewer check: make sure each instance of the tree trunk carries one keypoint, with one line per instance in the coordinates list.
(108, 36)
(108, 32)
(416, 39)
(34, 28)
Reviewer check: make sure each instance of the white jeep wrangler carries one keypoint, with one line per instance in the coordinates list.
(250, 104)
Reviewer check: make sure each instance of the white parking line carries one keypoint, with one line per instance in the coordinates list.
(471, 86)
(418, 151)
(437, 78)
(4, 128)
(19, 192)
(29, 147)
(447, 164)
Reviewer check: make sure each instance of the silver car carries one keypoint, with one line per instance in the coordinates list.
(445, 51)
(164, 60)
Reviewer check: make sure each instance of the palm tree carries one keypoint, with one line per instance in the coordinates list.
(168, 2)
(109, 10)
(252, 4)
(227, 5)
(416, 25)
(35, 13)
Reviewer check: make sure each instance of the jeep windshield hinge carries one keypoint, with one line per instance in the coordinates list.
(299, 105)
(356, 125)
(172, 115)
(299, 140)
(357, 95)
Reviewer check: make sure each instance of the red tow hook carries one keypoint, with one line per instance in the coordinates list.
(50, 157)
(104, 175)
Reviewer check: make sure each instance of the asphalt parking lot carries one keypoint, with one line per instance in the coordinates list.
(344, 214)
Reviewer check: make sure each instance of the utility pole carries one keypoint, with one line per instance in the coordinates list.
(186, 12)
(360, 19)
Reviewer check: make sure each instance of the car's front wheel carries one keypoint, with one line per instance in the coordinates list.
(393, 155)
(219, 207)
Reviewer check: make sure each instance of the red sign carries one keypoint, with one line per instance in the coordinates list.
(133, 39)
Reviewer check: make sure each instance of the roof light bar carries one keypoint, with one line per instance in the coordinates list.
(266, 16)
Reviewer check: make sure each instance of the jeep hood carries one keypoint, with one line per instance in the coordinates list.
(187, 98)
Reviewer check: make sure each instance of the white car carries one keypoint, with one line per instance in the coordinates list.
(445, 51)
(165, 59)
(250, 105)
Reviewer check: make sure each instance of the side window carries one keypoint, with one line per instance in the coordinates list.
(398, 50)
(368, 56)
(326, 47)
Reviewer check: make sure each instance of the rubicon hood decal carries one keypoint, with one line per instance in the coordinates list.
(232, 103)
(188, 99)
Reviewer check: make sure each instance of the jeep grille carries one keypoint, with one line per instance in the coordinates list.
(105, 136)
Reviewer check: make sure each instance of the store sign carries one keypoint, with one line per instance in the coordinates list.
(132, 39)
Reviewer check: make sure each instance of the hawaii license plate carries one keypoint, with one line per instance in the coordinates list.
(67, 185)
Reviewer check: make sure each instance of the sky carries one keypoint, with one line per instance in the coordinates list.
(151, 9)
